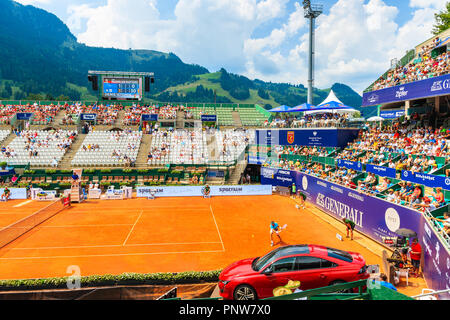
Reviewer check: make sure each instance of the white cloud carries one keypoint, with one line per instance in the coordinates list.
(355, 41)
(437, 4)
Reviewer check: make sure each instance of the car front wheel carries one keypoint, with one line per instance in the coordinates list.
(244, 292)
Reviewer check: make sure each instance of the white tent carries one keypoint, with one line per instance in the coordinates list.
(332, 99)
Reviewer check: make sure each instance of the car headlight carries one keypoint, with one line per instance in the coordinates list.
(225, 282)
(363, 270)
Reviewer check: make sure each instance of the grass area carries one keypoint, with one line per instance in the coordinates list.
(205, 81)
(85, 95)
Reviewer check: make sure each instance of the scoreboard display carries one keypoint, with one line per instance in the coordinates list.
(122, 88)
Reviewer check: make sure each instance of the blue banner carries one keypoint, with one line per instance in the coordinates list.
(307, 137)
(209, 118)
(24, 116)
(428, 180)
(373, 216)
(88, 117)
(420, 89)
(350, 164)
(392, 114)
(257, 159)
(382, 171)
(149, 117)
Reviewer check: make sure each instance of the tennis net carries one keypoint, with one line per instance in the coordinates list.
(10, 233)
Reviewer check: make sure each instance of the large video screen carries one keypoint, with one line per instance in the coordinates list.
(122, 88)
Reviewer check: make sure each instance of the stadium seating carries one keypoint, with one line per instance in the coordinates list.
(425, 65)
(39, 148)
(178, 147)
(103, 148)
(231, 143)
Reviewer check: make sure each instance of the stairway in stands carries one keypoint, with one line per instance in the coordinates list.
(65, 163)
(58, 118)
(119, 121)
(180, 120)
(237, 119)
(8, 139)
(141, 161)
(237, 173)
(211, 144)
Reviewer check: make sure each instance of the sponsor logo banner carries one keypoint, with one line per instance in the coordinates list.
(382, 171)
(24, 116)
(377, 218)
(88, 117)
(149, 117)
(392, 114)
(197, 191)
(306, 137)
(415, 90)
(209, 118)
(350, 164)
(428, 180)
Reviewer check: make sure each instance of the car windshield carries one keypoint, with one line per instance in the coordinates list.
(259, 263)
(339, 254)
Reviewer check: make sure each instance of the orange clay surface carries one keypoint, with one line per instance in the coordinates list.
(162, 235)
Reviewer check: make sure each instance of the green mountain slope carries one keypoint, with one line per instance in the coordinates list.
(41, 58)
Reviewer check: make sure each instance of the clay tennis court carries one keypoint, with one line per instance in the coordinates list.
(163, 235)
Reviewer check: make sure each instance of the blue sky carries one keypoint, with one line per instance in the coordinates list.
(264, 39)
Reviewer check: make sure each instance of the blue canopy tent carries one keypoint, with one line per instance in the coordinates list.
(281, 109)
(302, 108)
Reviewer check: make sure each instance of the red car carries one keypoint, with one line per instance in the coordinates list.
(314, 266)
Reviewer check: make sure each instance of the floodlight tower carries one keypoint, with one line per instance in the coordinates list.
(311, 13)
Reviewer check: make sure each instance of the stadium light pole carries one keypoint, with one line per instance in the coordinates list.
(311, 13)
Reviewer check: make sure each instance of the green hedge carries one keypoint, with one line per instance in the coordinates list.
(111, 280)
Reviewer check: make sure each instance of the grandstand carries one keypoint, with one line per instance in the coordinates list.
(101, 148)
(416, 85)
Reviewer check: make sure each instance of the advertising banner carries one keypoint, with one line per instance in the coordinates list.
(209, 118)
(149, 117)
(428, 180)
(382, 171)
(436, 86)
(88, 117)
(350, 164)
(198, 191)
(16, 193)
(94, 193)
(42, 195)
(373, 216)
(306, 137)
(392, 114)
(24, 116)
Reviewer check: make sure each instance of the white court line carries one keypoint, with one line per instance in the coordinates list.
(111, 255)
(217, 227)
(132, 228)
(74, 226)
(22, 203)
(115, 245)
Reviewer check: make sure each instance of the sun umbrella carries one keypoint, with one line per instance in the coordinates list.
(375, 119)
(281, 109)
(302, 107)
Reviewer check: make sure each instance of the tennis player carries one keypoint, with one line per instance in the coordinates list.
(6, 194)
(350, 226)
(274, 228)
(302, 198)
